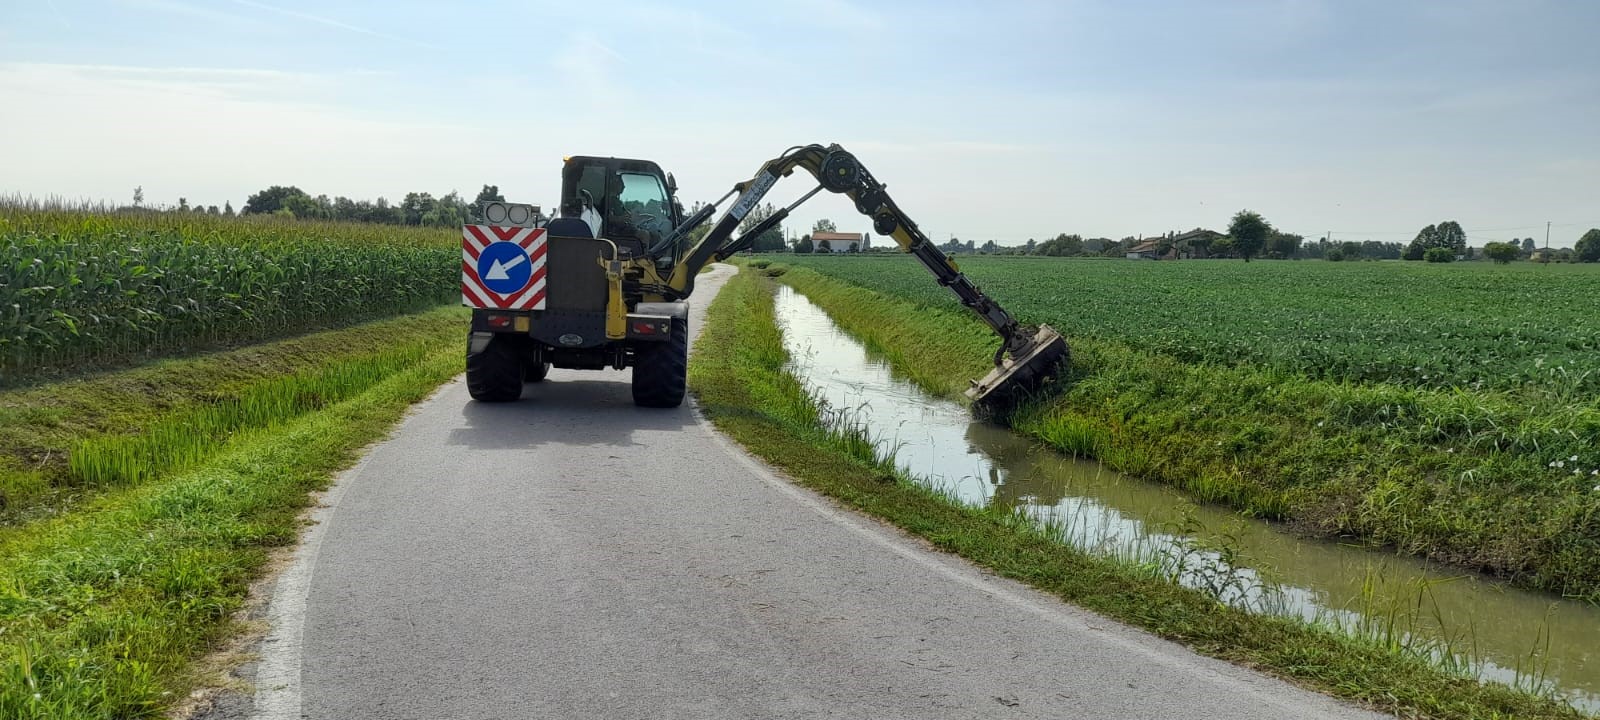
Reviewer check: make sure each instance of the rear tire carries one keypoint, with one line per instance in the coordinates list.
(661, 369)
(495, 375)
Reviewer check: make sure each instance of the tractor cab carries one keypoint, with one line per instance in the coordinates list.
(629, 202)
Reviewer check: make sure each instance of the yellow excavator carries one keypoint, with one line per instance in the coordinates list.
(604, 282)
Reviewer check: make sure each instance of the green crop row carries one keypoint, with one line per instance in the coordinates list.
(84, 289)
(1468, 326)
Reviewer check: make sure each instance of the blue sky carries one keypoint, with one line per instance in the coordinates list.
(988, 120)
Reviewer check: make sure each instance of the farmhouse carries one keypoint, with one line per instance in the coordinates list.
(1146, 250)
(1195, 243)
(840, 242)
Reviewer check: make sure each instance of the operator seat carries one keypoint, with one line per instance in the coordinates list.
(569, 227)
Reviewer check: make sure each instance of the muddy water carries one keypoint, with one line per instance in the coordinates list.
(1509, 635)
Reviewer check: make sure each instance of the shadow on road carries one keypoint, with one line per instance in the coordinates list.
(570, 412)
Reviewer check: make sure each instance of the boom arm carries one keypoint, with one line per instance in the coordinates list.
(838, 171)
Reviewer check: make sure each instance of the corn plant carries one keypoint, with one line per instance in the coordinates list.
(82, 288)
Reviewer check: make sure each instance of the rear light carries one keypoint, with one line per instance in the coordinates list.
(644, 328)
(498, 322)
(504, 214)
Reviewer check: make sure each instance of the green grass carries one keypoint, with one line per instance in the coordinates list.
(66, 441)
(739, 377)
(1482, 479)
(83, 289)
(103, 609)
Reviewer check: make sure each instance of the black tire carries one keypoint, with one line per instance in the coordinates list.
(661, 369)
(495, 375)
(535, 372)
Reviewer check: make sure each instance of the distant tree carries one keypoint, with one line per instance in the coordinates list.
(301, 206)
(415, 205)
(1029, 246)
(1439, 255)
(212, 210)
(489, 193)
(1452, 236)
(772, 239)
(1282, 245)
(824, 246)
(1426, 238)
(854, 247)
(138, 196)
(1382, 250)
(449, 211)
(227, 208)
(989, 248)
(1528, 247)
(1588, 248)
(1447, 234)
(270, 200)
(1249, 232)
(1502, 253)
(1335, 254)
(183, 204)
(1062, 245)
(804, 246)
(824, 225)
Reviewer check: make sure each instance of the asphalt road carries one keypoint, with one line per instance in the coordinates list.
(572, 556)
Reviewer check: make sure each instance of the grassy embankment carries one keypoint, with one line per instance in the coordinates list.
(65, 441)
(136, 506)
(739, 377)
(1493, 478)
(103, 607)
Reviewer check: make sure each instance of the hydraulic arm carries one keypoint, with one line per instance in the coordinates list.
(1027, 355)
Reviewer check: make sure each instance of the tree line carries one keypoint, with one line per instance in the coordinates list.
(416, 208)
(1249, 236)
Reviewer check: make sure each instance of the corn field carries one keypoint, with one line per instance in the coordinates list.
(79, 288)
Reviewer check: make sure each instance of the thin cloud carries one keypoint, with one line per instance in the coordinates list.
(176, 7)
(330, 22)
(59, 16)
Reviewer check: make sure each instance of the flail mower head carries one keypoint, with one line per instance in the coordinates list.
(1017, 374)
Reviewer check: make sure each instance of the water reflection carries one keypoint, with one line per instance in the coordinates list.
(1266, 569)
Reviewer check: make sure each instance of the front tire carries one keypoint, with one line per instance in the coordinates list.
(495, 375)
(661, 369)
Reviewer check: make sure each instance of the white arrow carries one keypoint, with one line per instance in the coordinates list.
(497, 270)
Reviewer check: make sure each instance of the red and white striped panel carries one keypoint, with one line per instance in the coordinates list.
(474, 238)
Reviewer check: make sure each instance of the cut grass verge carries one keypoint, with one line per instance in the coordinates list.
(63, 442)
(739, 378)
(102, 609)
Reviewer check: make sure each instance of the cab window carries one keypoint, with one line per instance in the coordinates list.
(643, 197)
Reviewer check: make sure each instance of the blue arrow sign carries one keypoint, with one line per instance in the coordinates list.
(504, 267)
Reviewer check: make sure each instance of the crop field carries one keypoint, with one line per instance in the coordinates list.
(1440, 326)
(1444, 411)
(78, 289)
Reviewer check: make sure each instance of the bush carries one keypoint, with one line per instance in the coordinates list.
(1502, 253)
(1439, 255)
(1335, 255)
(1588, 248)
